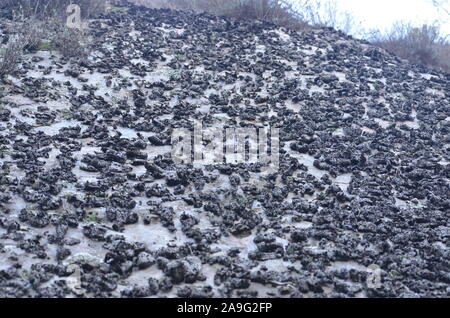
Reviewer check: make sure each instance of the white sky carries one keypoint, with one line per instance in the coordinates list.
(381, 14)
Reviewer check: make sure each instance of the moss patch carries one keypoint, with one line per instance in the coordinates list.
(118, 9)
(44, 46)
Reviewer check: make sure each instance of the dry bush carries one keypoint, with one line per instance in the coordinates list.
(27, 36)
(91, 8)
(287, 13)
(327, 13)
(10, 56)
(52, 8)
(423, 45)
(71, 43)
(279, 12)
(34, 8)
(32, 32)
(35, 20)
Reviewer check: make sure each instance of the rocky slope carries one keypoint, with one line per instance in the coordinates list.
(93, 205)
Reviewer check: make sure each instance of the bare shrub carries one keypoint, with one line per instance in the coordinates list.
(423, 45)
(280, 12)
(327, 13)
(277, 12)
(91, 8)
(291, 14)
(36, 20)
(33, 8)
(26, 36)
(32, 32)
(71, 43)
(10, 56)
(52, 8)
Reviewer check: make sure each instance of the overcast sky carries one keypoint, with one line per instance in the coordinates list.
(381, 14)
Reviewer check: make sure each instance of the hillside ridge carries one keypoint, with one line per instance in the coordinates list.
(88, 180)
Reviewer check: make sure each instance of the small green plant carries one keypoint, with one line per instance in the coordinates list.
(66, 114)
(5, 151)
(290, 250)
(394, 273)
(24, 274)
(68, 196)
(92, 217)
(44, 46)
(118, 9)
(28, 211)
